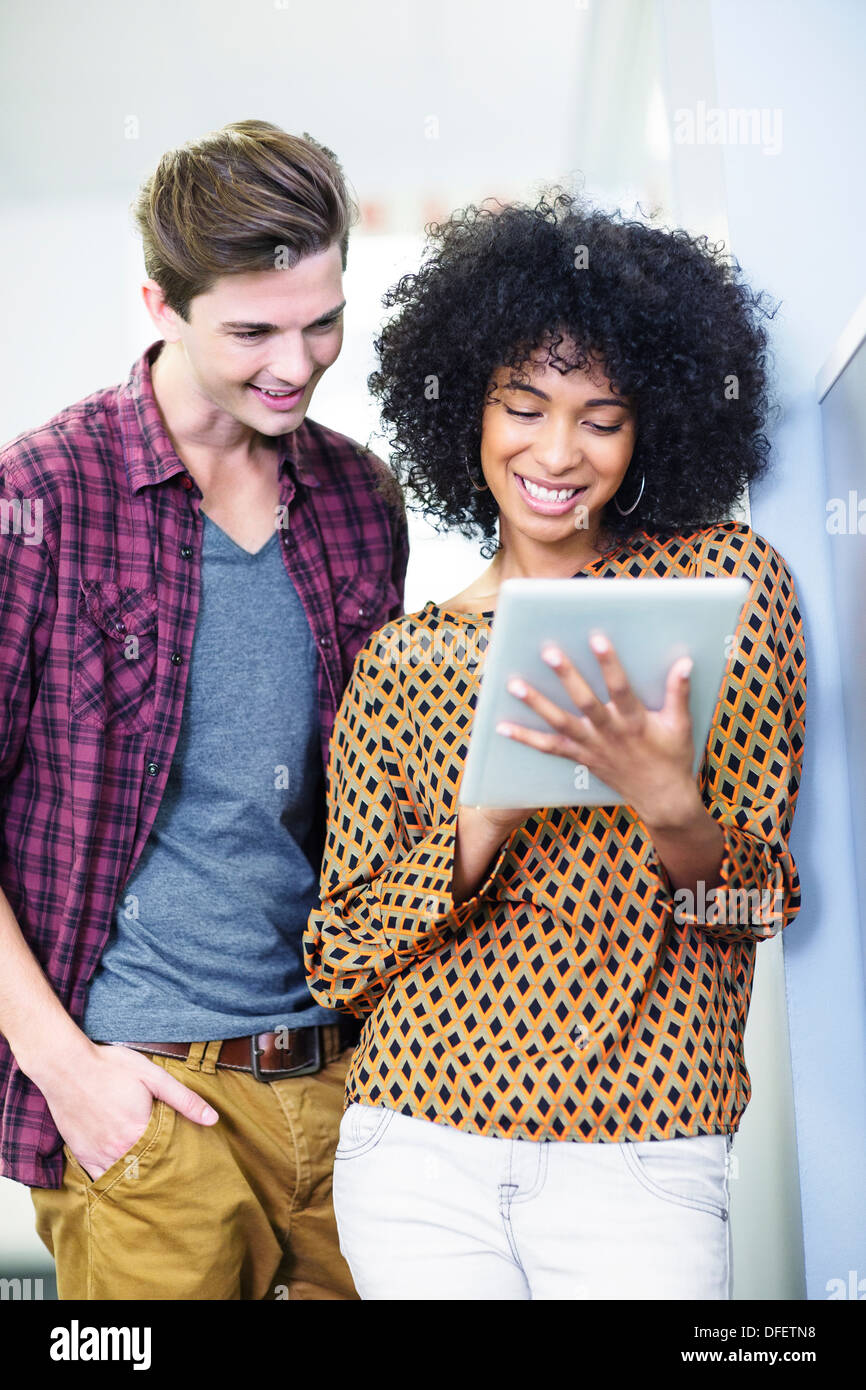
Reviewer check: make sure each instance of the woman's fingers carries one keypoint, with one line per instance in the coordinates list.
(571, 728)
(566, 724)
(580, 692)
(623, 699)
(677, 687)
(561, 745)
(615, 678)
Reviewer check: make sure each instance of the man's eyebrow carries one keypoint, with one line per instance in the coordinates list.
(329, 314)
(249, 324)
(596, 401)
(252, 325)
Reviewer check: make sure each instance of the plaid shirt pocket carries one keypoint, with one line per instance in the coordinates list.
(115, 656)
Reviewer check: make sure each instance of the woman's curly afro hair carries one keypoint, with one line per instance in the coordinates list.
(667, 314)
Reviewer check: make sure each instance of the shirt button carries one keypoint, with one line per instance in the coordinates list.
(176, 658)
(119, 626)
(325, 641)
(152, 769)
(186, 481)
(186, 552)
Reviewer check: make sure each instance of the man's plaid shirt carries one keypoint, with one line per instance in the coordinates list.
(100, 558)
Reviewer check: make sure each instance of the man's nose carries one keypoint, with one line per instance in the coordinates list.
(293, 363)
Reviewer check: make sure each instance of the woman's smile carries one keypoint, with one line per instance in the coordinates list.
(548, 499)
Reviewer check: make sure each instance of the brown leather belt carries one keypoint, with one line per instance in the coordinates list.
(273, 1056)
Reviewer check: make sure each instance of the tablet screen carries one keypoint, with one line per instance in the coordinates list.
(651, 623)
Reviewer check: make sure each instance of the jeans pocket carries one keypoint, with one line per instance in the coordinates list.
(361, 1129)
(132, 1165)
(690, 1171)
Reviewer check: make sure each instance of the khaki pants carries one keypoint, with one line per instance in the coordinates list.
(237, 1210)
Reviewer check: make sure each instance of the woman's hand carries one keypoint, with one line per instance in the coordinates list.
(645, 755)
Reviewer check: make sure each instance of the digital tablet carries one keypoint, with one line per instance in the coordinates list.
(651, 622)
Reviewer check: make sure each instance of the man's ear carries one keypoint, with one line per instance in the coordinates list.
(165, 319)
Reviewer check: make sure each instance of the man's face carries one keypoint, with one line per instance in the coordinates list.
(265, 331)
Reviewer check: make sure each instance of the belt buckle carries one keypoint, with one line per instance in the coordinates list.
(305, 1069)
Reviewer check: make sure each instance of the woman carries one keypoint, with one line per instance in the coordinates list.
(551, 1066)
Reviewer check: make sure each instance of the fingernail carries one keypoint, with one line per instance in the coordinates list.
(686, 669)
(598, 643)
(552, 655)
(516, 686)
(503, 728)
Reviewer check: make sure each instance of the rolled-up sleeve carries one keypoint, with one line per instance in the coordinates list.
(750, 776)
(386, 887)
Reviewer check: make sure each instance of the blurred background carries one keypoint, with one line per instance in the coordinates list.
(742, 119)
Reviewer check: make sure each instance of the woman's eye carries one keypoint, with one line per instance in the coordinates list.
(536, 414)
(247, 337)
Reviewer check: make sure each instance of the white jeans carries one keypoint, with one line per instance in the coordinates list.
(426, 1211)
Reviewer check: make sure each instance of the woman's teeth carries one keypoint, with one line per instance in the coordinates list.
(545, 494)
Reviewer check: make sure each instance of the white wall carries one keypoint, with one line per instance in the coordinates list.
(797, 221)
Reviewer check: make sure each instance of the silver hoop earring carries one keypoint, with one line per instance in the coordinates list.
(635, 502)
(473, 482)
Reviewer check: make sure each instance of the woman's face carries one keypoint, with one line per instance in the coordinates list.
(557, 432)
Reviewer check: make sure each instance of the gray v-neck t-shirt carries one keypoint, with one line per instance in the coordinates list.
(206, 939)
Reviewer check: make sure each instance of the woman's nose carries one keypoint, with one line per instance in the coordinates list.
(557, 449)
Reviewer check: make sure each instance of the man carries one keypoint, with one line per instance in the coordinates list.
(177, 630)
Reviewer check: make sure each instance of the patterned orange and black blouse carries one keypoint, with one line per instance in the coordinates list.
(566, 998)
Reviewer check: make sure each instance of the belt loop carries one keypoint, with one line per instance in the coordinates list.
(333, 1046)
(209, 1059)
(194, 1056)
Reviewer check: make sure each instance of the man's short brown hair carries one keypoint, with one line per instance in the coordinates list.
(246, 197)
